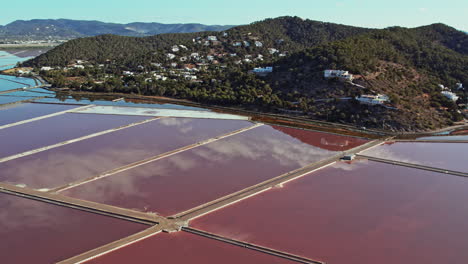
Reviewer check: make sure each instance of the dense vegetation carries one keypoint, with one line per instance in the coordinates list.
(406, 64)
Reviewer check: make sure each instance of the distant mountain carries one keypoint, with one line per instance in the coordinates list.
(40, 29)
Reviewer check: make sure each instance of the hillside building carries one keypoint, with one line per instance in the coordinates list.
(340, 74)
(263, 70)
(379, 99)
(450, 95)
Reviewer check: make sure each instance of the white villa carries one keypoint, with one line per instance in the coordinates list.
(342, 75)
(373, 99)
(450, 95)
(263, 70)
(273, 51)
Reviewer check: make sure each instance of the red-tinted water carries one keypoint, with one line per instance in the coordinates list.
(330, 142)
(90, 157)
(182, 247)
(36, 232)
(183, 181)
(56, 129)
(22, 112)
(352, 214)
(450, 156)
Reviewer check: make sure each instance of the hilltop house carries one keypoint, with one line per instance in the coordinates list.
(340, 74)
(379, 99)
(450, 95)
(263, 70)
(212, 38)
(273, 51)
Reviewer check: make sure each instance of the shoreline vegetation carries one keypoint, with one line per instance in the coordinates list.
(271, 118)
(27, 46)
(277, 66)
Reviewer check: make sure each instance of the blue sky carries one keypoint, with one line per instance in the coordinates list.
(369, 13)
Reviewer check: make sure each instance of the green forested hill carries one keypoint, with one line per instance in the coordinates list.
(287, 33)
(406, 64)
(363, 54)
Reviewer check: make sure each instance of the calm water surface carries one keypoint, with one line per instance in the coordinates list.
(184, 247)
(197, 176)
(37, 232)
(91, 157)
(364, 212)
(19, 112)
(56, 129)
(450, 156)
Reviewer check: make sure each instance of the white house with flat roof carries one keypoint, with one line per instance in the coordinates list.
(450, 95)
(263, 70)
(373, 99)
(340, 74)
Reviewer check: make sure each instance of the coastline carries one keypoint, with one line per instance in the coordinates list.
(280, 119)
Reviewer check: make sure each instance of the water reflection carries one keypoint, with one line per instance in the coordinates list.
(26, 224)
(57, 129)
(16, 113)
(206, 172)
(357, 212)
(93, 156)
(332, 142)
(450, 156)
(183, 247)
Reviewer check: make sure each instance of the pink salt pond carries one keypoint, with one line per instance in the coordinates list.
(200, 175)
(364, 212)
(182, 247)
(88, 158)
(449, 156)
(37, 232)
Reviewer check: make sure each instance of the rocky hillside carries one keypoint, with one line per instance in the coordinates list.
(407, 65)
